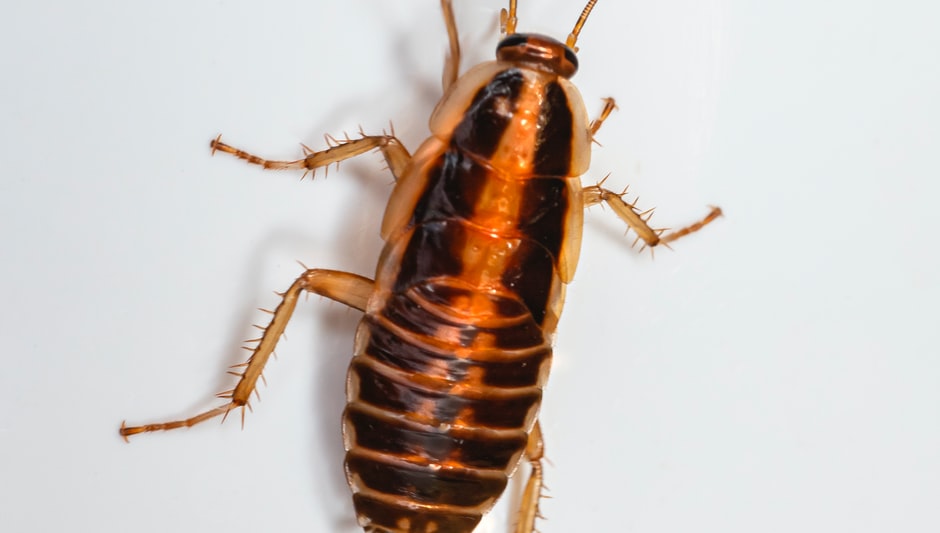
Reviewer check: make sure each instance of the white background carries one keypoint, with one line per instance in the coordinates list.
(776, 373)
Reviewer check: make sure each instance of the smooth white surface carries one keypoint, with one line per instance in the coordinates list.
(775, 373)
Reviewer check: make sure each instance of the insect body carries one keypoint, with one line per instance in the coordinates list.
(482, 234)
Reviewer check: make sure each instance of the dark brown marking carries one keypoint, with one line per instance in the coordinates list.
(517, 372)
(454, 186)
(423, 484)
(489, 114)
(431, 253)
(555, 133)
(531, 277)
(511, 371)
(386, 516)
(399, 438)
(389, 349)
(445, 296)
(542, 213)
(408, 397)
(406, 313)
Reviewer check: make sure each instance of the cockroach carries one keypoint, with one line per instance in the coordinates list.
(482, 234)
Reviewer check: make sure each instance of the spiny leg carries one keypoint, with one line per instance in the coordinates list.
(396, 155)
(609, 106)
(529, 509)
(452, 62)
(343, 287)
(639, 221)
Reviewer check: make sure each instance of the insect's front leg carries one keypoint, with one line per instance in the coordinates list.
(609, 106)
(346, 288)
(396, 155)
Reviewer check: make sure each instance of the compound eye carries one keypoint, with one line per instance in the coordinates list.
(512, 40)
(571, 58)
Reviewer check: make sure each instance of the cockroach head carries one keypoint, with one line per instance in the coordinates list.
(539, 51)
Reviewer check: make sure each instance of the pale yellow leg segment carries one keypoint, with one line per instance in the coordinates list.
(452, 62)
(343, 287)
(529, 509)
(395, 153)
(638, 221)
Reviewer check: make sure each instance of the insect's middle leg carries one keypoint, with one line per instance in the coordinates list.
(639, 221)
(346, 288)
(529, 508)
(396, 155)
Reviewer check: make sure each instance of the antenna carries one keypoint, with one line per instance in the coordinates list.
(573, 36)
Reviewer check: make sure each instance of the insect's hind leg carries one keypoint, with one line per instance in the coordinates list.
(396, 155)
(529, 508)
(344, 287)
(639, 221)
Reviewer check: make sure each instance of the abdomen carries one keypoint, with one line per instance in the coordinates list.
(440, 406)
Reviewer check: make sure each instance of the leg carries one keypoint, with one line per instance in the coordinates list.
(395, 153)
(609, 106)
(529, 509)
(452, 62)
(638, 221)
(508, 19)
(343, 287)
